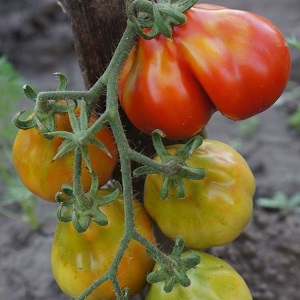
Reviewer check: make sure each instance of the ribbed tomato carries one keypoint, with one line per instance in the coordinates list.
(33, 155)
(222, 59)
(78, 259)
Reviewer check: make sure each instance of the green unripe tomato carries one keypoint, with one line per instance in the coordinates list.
(212, 279)
(215, 210)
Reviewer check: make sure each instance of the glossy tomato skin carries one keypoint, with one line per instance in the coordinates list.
(240, 58)
(212, 279)
(156, 90)
(215, 210)
(221, 59)
(33, 155)
(78, 259)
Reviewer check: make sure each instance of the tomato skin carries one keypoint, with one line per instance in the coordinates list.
(212, 279)
(156, 90)
(221, 59)
(215, 210)
(240, 58)
(33, 155)
(78, 259)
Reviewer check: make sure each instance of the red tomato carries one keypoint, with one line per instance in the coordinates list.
(33, 155)
(234, 61)
(157, 91)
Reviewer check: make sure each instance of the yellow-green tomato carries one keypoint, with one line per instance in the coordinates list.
(212, 279)
(215, 210)
(78, 259)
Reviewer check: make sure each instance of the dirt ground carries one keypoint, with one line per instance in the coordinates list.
(36, 37)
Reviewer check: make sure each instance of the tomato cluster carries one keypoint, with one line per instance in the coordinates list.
(223, 60)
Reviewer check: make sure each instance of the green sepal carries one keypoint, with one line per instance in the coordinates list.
(155, 277)
(174, 272)
(188, 148)
(182, 278)
(164, 28)
(73, 208)
(86, 157)
(177, 17)
(62, 81)
(165, 188)
(23, 124)
(47, 125)
(193, 173)
(30, 93)
(184, 5)
(180, 188)
(173, 167)
(95, 184)
(80, 223)
(160, 17)
(100, 218)
(65, 147)
(178, 247)
(75, 124)
(191, 261)
(110, 197)
(101, 146)
(67, 189)
(60, 214)
(61, 134)
(176, 169)
(144, 170)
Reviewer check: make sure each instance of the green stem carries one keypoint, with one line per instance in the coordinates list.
(77, 187)
(57, 95)
(127, 41)
(145, 160)
(157, 255)
(111, 78)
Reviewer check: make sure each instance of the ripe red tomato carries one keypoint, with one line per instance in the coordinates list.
(215, 210)
(33, 155)
(157, 91)
(234, 61)
(212, 279)
(78, 259)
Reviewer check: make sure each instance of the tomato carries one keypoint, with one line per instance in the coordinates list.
(33, 155)
(212, 279)
(157, 91)
(78, 259)
(221, 59)
(215, 210)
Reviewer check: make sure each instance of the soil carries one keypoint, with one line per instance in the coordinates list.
(37, 38)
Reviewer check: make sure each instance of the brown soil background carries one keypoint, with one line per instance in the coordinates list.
(37, 38)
